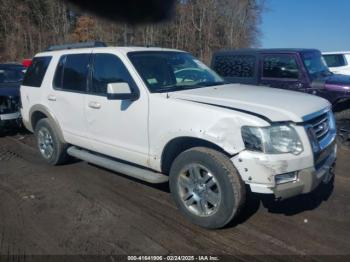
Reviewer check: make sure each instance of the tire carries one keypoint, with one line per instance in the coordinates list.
(343, 127)
(219, 187)
(48, 141)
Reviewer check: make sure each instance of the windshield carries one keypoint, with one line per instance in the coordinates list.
(315, 65)
(10, 75)
(173, 71)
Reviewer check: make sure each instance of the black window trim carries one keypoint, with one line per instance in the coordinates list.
(67, 90)
(56, 69)
(279, 78)
(134, 88)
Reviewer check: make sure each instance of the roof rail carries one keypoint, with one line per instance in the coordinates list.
(77, 45)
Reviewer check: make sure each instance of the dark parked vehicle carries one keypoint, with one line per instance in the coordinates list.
(294, 69)
(11, 76)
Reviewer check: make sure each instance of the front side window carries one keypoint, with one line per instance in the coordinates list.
(172, 71)
(235, 65)
(72, 72)
(280, 66)
(36, 72)
(337, 60)
(108, 68)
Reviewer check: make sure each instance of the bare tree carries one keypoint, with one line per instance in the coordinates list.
(198, 26)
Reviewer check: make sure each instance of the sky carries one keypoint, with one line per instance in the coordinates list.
(320, 24)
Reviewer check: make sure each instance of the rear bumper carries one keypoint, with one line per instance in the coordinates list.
(10, 116)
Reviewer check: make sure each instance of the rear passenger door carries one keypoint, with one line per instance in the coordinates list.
(281, 71)
(67, 97)
(118, 128)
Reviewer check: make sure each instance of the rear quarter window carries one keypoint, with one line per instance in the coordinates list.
(235, 65)
(36, 72)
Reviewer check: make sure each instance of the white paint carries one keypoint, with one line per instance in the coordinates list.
(138, 131)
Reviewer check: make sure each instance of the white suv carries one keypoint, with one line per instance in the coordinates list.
(338, 62)
(161, 115)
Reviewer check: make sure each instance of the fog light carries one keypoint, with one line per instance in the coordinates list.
(286, 178)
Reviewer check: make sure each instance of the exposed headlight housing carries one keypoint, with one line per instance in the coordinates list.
(276, 139)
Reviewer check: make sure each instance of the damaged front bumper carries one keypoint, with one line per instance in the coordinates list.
(308, 179)
(264, 173)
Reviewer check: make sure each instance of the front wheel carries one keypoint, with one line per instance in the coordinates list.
(206, 187)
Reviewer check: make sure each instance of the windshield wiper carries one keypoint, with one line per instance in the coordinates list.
(184, 87)
(213, 83)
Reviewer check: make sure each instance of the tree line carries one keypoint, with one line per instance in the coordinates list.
(197, 26)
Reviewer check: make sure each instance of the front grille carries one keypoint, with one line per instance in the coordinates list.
(320, 126)
(9, 105)
(322, 132)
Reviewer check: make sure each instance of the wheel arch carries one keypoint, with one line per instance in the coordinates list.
(180, 144)
(341, 104)
(39, 112)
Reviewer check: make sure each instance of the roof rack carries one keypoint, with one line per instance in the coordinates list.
(76, 45)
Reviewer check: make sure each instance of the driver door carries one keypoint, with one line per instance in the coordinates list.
(118, 128)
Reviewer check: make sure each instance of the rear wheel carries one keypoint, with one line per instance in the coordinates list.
(50, 147)
(206, 187)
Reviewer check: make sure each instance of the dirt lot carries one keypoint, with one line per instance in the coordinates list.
(83, 209)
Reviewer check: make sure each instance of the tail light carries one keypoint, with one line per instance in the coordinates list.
(26, 62)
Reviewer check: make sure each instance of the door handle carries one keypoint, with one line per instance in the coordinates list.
(51, 97)
(94, 105)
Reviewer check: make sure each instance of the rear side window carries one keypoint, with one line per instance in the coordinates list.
(72, 72)
(280, 66)
(235, 65)
(108, 68)
(335, 60)
(36, 72)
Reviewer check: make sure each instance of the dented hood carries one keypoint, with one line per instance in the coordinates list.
(272, 103)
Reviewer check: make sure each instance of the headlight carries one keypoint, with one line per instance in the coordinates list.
(272, 140)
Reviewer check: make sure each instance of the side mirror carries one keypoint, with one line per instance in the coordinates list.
(120, 91)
